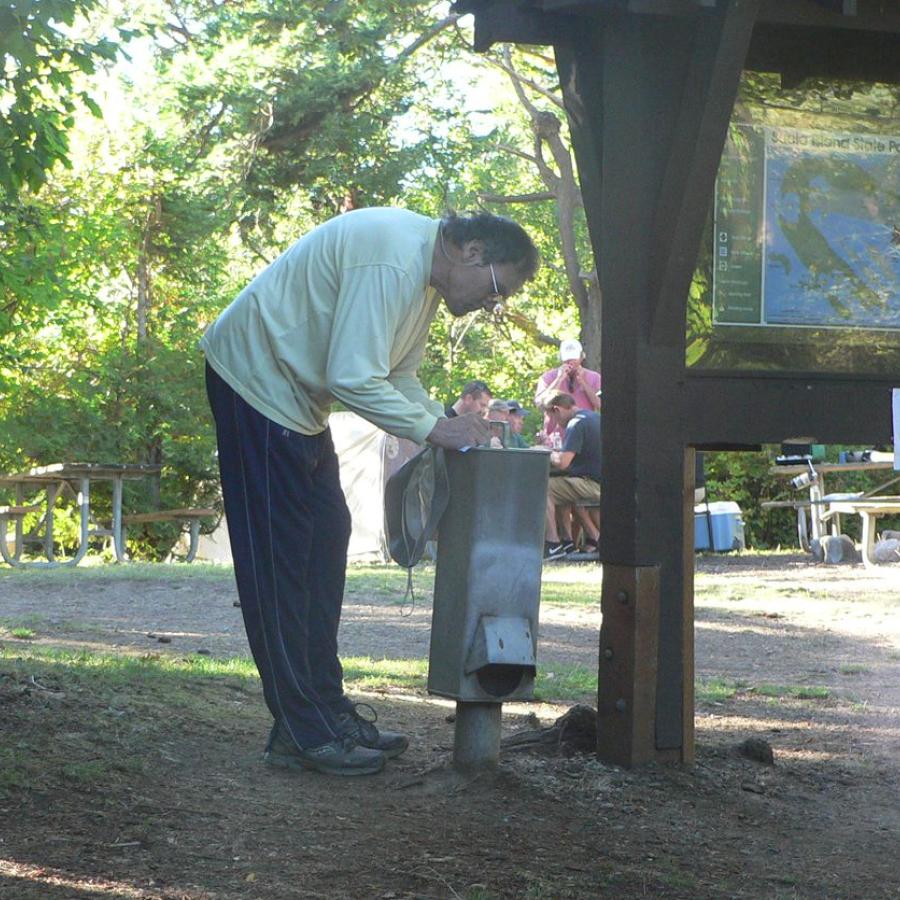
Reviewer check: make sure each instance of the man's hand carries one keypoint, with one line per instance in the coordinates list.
(468, 430)
(561, 459)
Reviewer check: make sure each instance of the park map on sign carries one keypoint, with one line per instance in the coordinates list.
(808, 229)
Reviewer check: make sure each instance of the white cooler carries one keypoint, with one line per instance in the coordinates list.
(724, 523)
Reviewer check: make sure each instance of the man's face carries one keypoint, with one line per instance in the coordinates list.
(479, 286)
(516, 421)
(560, 415)
(476, 403)
(572, 365)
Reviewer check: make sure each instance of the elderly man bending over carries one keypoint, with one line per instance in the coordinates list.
(343, 314)
(575, 473)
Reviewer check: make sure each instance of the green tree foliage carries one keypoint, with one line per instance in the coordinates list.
(165, 215)
(248, 124)
(298, 100)
(43, 87)
(38, 85)
(744, 478)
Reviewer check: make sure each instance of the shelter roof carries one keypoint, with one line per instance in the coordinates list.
(842, 39)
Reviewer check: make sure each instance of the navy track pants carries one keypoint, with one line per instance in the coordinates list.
(289, 528)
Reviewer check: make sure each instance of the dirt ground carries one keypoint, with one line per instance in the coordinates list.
(203, 818)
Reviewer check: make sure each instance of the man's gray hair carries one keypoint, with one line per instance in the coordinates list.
(505, 241)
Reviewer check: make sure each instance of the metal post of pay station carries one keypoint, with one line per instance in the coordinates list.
(487, 592)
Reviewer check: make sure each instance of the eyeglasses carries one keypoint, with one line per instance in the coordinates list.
(494, 301)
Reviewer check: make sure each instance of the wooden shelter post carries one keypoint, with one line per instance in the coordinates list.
(649, 87)
(649, 101)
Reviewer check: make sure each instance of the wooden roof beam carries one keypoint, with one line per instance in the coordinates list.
(860, 15)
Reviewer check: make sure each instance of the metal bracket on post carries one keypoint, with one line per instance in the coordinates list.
(629, 644)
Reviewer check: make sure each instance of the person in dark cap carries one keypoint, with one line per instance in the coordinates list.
(516, 421)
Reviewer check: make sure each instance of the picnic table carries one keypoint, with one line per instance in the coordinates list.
(54, 479)
(823, 509)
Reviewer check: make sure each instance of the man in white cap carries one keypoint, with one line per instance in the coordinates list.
(571, 378)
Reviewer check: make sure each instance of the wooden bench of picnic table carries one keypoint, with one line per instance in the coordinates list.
(14, 514)
(18, 512)
(869, 509)
(189, 515)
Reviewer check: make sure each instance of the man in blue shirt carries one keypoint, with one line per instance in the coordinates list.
(575, 473)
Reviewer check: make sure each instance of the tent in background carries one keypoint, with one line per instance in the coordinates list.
(368, 457)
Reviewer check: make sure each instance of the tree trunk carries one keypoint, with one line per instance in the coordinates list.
(562, 185)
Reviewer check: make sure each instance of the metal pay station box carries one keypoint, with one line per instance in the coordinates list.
(488, 576)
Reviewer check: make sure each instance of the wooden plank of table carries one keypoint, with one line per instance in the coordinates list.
(95, 470)
(880, 505)
(826, 468)
(19, 510)
(69, 471)
(164, 515)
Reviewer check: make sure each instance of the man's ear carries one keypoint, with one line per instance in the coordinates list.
(472, 252)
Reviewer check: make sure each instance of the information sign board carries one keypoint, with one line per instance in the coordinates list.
(807, 230)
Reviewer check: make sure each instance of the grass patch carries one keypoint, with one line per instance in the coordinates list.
(799, 692)
(556, 683)
(716, 690)
(569, 593)
(560, 682)
(367, 674)
(853, 669)
(22, 633)
(720, 690)
(113, 676)
(572, 584)
(93, 568)
(83, 721)
(26, 627)
(388, 580)
(709, 590)
(569, 584)
(34, 622)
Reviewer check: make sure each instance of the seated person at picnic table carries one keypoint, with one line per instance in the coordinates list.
(582, 384)
(474, 398)
(502, 411)
(516, 421)
(498, 412)
(575, 473)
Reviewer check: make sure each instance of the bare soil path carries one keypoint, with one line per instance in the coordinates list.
(804, 657)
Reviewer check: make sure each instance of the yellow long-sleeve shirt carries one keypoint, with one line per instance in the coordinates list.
(342, 314)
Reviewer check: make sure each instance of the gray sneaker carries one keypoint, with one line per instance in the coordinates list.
(361, 729)
(342, 756)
